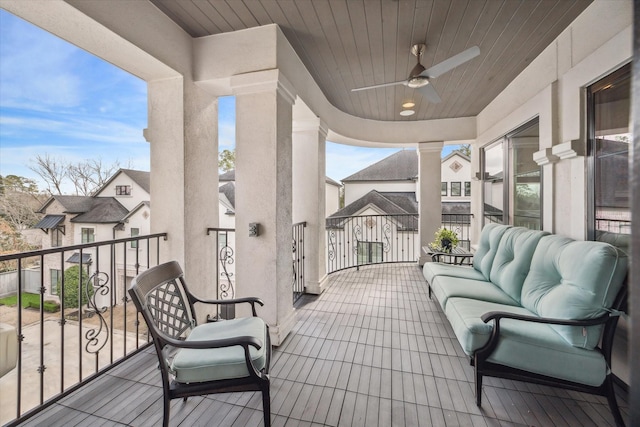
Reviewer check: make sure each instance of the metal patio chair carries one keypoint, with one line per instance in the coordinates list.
(214, 357)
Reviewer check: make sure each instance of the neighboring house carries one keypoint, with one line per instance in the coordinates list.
(119, 209)
(387, 192)
(332, 196)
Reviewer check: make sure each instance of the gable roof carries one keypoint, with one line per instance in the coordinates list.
(142, 178)
(104, 210)
(227, 176)
(400, 166)
(456, 153)
(403, 204)
(70, 204)
(229, 191)
(331, 181)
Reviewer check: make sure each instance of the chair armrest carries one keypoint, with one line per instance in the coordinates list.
(250, 300)
(497, 315)
(244, 341)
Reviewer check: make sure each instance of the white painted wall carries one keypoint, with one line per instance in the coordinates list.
(354, 190)
(138, 194)
(332, 199)
(450, 175)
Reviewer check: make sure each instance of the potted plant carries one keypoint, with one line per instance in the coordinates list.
(445, 241)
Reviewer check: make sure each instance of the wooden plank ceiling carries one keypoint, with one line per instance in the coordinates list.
(347, 44)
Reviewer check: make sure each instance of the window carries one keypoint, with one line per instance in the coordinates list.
(56, 237)
(609, 138)
(512, 190)
(443, 189)
(87, 235)
(123, 190)
(134, 233)
(467, 189)
(456, 189)
(369, 252)
(56, 278)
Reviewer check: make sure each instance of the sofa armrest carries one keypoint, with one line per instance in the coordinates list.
(497, 315)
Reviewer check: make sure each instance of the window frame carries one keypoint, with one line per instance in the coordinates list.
(84, 231)
(467, 189)
(134, 243)
(444, 189)
(123, 190)
(459, 191)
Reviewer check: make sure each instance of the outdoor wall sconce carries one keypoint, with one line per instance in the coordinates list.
(254, 229)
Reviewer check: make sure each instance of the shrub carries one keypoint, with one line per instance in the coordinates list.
(72, 285)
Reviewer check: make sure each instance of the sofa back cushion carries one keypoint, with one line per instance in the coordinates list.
(513, 259)
(572, 279)
(487, 247)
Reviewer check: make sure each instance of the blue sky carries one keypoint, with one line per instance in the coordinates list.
(59, 100)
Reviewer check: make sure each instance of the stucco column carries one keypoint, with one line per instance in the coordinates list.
(429, 178)
(263, 196)
(309, 159)
(183, 132)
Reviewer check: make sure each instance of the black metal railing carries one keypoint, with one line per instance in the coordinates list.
(83, 323)
(298, 285)
(460, 223)
(225, 269)
(353, 241)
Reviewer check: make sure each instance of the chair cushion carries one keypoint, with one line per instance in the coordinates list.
(433, 269)
(513, 259)
(574, 280)
(487, 247)
(200, 365)
(445, 287)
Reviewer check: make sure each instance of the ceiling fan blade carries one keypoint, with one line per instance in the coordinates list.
(403, 82)
(451, 63)
(430, 93)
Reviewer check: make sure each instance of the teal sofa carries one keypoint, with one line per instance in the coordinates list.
(536, 307)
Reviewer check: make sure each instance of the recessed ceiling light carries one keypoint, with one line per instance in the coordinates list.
(408, 104)
(407, 113)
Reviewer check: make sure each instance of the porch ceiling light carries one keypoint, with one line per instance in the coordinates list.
(407, 113)
(409, 104)
(417, 81)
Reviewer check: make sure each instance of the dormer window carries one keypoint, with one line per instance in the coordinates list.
(123, 190)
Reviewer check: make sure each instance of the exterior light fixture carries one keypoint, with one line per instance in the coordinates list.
(407, 113)
(408, 104)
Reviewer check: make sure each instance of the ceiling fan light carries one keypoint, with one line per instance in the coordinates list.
(409, 104)
(417, 82)
(407, 113)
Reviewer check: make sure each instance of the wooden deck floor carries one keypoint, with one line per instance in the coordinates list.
(372, 350)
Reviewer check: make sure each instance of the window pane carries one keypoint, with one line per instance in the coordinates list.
(610, 138)
(443, 189)
(134, 232)
(456, 189)
(526, 189)
(467, 189)
(493, 184)
(87, 235)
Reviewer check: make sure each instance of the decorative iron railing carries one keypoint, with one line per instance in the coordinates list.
(353, 241)
(83, 323)
(225, 262)
(460, 223)
(298, 260)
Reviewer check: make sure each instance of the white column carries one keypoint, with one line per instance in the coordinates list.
(183, 132)
(309, 176)
(429, 178)
(263, 195)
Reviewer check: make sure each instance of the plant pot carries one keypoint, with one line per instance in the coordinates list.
(446, 245)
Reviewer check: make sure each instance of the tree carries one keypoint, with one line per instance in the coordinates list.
(72, 286)
(86, 176)
(465, 149)
(227, 160)
(51, 170)
(19, 201)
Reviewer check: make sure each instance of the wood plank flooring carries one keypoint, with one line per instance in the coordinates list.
(372, 350)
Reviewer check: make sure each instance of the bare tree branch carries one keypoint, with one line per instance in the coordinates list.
(52, 171)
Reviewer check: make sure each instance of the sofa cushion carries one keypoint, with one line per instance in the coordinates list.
(433, 269)
(572, 279)
(445, 287)
(513, 259)
(487, 247)
(464, 316)
(200, 365)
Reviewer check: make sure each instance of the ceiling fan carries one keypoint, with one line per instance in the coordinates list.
(419, 77)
